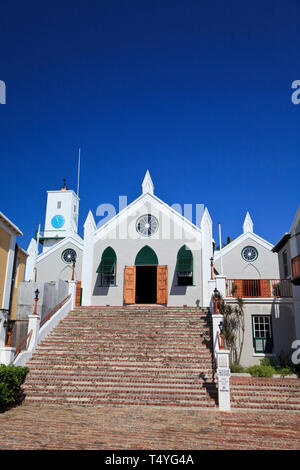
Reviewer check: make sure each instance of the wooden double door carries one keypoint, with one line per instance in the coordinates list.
(146, 284)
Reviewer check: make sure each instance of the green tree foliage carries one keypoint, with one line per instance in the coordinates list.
(233, 326)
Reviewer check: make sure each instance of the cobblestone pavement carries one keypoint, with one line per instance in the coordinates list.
(34, 426)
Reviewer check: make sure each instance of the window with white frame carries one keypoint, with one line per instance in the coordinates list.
(262, 333)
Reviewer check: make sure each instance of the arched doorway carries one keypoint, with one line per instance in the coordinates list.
(146, 263)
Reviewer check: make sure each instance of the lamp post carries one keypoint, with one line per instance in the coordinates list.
(216, 299)
(73, 270)
(8, 325)
(211, 268)
(36, 299)
(221, 346)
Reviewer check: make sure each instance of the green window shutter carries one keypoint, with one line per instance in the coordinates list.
(184, 260)
(108, 262)
(146, 256)
(106, 266)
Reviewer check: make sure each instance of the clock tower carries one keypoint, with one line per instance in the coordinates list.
(61, 216)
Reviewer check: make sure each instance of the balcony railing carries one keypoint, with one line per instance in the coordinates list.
(258, 288)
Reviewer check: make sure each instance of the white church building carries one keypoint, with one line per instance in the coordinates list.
(149, 253)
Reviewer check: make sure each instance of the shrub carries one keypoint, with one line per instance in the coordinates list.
(261, 371)
(11, 379)
(281, 365)
(237, 368)
(268, 361)
(285, 370)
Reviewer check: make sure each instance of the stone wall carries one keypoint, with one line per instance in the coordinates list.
(51, 293)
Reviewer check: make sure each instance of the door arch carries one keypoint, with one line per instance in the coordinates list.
(146, 256)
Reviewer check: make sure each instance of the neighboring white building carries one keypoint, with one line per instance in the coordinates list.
(288, 249)
(247, 257)
(60, 241)
(250, 266)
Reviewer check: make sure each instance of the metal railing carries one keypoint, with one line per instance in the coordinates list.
(19, 348)
(54, 310)
(46, 318)
(258, 288)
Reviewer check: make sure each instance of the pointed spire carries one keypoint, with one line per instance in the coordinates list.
(248, 224)
(90, 222)
(147, 185)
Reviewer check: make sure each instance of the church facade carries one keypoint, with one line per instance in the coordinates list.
(148, 253)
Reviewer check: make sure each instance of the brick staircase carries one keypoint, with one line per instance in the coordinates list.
(126, 355)
(265, 393)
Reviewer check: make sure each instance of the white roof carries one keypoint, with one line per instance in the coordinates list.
(11, 225)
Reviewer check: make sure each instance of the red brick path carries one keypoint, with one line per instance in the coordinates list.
(36, 426)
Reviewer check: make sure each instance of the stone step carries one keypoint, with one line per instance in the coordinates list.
(87, 331)
(250, 394)
(119, 379)
(121, 401)
(265, 406)
(99, 351)
(117, 393)
(109, 344)
(140, 369)
(137, 363)
(274, 389)
(88, 387)
(265, 393)
(126, 354)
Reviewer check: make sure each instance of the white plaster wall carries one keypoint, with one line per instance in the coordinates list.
(235, 267)
(68, 200)
(52, 267)
(127, 242)
(50, 295)
(283, 328)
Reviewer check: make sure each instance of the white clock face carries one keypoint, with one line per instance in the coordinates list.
(249, 253)
(147, 225)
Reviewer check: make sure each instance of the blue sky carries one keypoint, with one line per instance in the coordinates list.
(198, 92)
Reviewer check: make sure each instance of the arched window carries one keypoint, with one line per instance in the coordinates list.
(107, 267)
(184, 267)
(146, 256)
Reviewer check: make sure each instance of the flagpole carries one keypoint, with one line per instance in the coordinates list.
(221, 259)
(78, 172)
(37, 252)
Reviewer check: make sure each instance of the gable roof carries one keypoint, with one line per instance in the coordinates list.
(10, 225)
(143, 199)
(295, 221)
(78, 242)
(243, 237)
